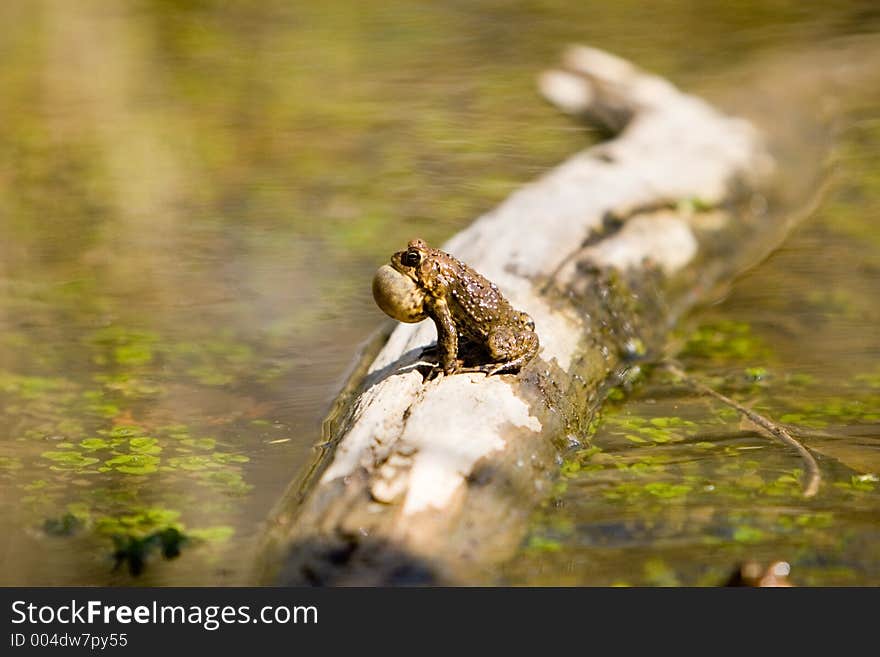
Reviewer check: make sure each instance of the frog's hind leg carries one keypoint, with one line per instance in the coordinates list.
(510, 365)
(510, 350)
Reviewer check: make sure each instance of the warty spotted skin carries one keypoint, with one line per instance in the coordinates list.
(469, 311)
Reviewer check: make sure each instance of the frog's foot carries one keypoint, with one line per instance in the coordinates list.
(501, 368)
(479, 369)
(434, 374)
(430, 370)
(433, 371)
(510, 366)
(494, 368)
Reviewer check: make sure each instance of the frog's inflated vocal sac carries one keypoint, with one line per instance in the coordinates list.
(470, 313)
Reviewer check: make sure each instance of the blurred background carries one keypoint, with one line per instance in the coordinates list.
(194, 195)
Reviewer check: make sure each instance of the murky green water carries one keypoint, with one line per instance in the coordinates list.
(676, 489)
(193, 197)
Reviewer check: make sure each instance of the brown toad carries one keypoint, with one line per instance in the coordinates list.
(471, 315)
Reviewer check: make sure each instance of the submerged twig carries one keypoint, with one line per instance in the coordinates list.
(814, 476)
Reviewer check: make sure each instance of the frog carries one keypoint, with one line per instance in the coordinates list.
(478, 330)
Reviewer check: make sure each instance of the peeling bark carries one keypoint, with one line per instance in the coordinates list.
(434, 481)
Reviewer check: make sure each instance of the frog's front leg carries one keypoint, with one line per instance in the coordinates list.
(447, 336)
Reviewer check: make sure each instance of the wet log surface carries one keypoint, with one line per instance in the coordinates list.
(433, 481)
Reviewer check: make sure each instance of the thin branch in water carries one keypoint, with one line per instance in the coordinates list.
(814, 476)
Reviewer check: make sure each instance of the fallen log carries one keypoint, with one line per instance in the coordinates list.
(433, 481)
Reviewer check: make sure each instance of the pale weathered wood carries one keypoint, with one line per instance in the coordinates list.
(433, 481)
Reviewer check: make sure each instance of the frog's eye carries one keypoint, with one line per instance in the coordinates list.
(411, 258)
